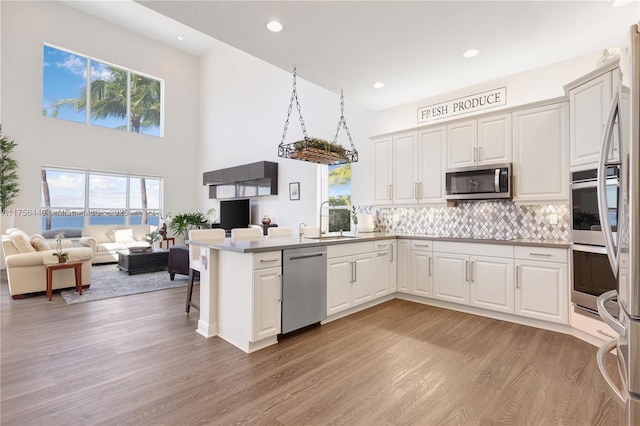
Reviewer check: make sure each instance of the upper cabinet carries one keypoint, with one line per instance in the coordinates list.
(409, 167)
(590, 102)
(540, 154)
(477, 142)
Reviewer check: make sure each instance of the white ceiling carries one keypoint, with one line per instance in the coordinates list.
(414, 47)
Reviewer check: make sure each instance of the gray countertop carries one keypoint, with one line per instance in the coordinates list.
(284, 243)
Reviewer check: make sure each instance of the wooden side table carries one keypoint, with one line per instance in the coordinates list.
(77, 267)
(171, 240)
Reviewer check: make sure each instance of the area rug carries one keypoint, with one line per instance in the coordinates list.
(108, 281)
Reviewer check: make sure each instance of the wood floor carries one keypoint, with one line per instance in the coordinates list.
(137, 360)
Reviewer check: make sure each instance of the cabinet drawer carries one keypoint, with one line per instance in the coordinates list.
(545, 254)
(349, 249)
(267, 259)
(422, 245)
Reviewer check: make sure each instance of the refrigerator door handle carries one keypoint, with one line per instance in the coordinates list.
(602, 352)
(605, 223)
(606, 316)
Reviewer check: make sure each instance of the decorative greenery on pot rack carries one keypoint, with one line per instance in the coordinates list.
(316, 150)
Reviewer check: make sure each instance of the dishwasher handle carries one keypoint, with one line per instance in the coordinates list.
(306, 256)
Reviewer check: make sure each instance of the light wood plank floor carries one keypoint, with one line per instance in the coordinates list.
(137, 360)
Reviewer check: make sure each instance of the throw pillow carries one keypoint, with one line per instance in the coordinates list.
(123, 236)
(110, 235)
(21, 241)
(39, 243)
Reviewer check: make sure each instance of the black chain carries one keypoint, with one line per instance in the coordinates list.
(343, 122)
(294, 95)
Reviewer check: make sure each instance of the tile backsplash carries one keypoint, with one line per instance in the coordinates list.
(502, 220)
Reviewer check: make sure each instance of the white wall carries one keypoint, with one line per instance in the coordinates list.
(530, 86)
(244, 103)
(45, 141)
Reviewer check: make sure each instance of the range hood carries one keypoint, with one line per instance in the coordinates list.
(245, 181)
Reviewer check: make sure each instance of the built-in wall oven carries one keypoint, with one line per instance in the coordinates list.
(592, 273)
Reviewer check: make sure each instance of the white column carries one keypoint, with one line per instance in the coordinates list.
(208, 323)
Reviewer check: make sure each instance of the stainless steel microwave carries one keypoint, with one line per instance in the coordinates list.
(479, 183)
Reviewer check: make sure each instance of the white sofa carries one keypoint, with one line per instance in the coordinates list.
(25, 261)
(106, 240)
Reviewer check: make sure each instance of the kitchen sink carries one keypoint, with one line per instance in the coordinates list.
(330, 237)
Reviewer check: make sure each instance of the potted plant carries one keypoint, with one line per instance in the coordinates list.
(9, 189)
(59, 253)
(182, 223)
(153, 237)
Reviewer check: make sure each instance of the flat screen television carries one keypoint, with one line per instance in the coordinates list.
(235, 214)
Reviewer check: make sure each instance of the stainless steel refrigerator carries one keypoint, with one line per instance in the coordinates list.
(623, 250)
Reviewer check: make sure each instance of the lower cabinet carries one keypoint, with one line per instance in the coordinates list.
(542, 286)
(349, 278)
(472, 279)
(384, 268)
(404, 266)
(421, 268)
(267, 295)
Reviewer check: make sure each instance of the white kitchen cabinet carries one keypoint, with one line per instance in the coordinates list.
(432, 160)
(542, 284)
(479, 142)
(491, 283)
(383, 170)
(404, 266)
(405, 168)
(267, 302)
(540, 154)
(409, 167)
(421, 269)
(465, 275)
(384, 268)
(589, 102)
(350, 277)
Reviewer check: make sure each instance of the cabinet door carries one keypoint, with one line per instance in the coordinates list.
(540, 154)
(404, 266)
(267, 291)
(542, 290)
(462, 144)
(393, 267)
(404, 167)
(362, 287)
(339, 280)
(432, 158)
(380, 273)
(491, 283)
(382, 171)
(422, 273)
(494, 139)
(589, 108)
(451, 282)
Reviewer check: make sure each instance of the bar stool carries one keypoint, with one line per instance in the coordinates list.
(280, 232)
(245, 234)
(216, 235)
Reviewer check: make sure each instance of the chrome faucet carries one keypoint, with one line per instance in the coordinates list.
(320, 219)
(300, 232)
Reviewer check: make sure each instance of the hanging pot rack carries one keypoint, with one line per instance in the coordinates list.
(316, 150)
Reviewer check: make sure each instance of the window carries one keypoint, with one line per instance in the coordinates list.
(116, 97)
(71, 198)
(339, 196)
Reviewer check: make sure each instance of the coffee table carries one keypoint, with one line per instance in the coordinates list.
(136, 263)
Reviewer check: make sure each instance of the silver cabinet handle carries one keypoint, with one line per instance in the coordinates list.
(421, 245)
(391, 253)
(540, 254)
(390, 192)
(474, 154)
(355, 272)
(274, 260)
(415, 189)
(352, 280)
(602, 352)
(471, 271)
(383, 245)
(517, 275)
(280, 288)
(466, 270)
(420, 189)
(479, 153)
(430, 265)
(380, 254)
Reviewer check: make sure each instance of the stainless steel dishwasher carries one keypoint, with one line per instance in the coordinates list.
(304, 287)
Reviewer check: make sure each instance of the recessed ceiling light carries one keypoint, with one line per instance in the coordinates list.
(274, 26)
(180, 38)
(470, 53)
(378, 85)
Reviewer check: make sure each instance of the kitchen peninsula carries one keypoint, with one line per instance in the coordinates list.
(517, 280)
